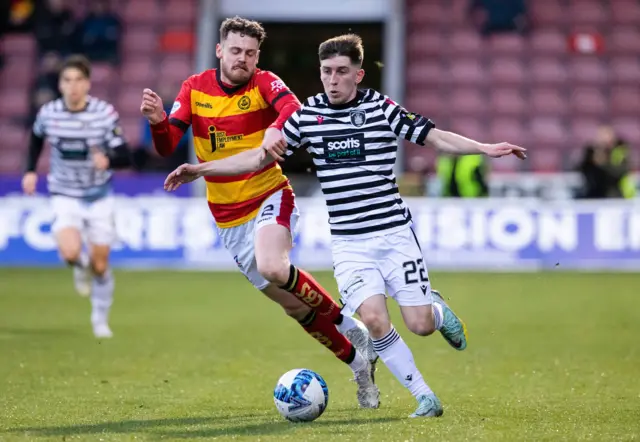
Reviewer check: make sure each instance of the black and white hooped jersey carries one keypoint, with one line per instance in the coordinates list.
(72, 135)
(354, 148)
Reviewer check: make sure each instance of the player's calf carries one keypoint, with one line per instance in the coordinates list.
(70, 246)
(420, 319)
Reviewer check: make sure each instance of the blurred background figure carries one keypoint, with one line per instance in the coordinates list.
(56, 28)
(495, 16)
(100, 33)
(605, 167)
(463, 176)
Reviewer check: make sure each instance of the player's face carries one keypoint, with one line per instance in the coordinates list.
(238, 56)
(340, 78)
(74, 86)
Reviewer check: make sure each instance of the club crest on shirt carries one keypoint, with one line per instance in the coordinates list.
(358, 117)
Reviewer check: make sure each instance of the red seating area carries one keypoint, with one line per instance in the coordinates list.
(146, 55)
(531, 90)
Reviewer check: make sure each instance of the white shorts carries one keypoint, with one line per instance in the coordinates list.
(279, 208)
(95, 219)
(392, 264)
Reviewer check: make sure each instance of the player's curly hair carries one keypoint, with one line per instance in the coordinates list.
(349, 45)
(241, 26)
(79, 62)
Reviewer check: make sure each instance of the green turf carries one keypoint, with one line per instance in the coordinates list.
(551, 356)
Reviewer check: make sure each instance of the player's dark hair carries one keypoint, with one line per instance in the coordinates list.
(348, 45)
(242, 26)
(79, 62)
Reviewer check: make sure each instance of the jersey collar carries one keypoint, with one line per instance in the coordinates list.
(229, 90)
(353, 103)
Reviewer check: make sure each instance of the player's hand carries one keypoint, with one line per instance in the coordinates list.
(29, 181)
(152, 107)
(503, 149)
(274, 144)
(182, 175)
(100, 160)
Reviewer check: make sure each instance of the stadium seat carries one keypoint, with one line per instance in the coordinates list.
(629, 129)
(548, 42)
(14, 103)
(587, 70)
(180, 12)
(464, 42)
(591, 12)
(547, 71)
(17, 73)
(507, 44)
(103, 74)
(508, 129)
(426, 43)
(548, 102)
(18, 44)
(507, 101)
(425, 74)
(176, 67)
(547, 13)
(466, 102)
(589, 101)
(625, 70)
(436, 14)
(467, 71)
(625, 101)
(625, 12)
(583, 130)
(624, 41)
(509, 71)
(142, 11)
(140, 39)
(545, 158)
(470, 127)
(545, 131)
(139, 71)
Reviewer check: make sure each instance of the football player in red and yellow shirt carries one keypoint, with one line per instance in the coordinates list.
(233, 109)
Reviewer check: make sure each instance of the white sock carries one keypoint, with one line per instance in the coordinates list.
(358, 363)
(437, 315)
(102, 296)
(82, 261)
(347, 324)
(397, 356)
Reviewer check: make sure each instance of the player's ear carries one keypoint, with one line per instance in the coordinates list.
(218, 50)
(359, 76)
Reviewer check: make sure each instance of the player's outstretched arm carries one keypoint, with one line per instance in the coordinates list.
(244, 162)
(458, 145)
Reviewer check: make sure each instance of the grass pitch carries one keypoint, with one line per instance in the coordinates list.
(551, 356)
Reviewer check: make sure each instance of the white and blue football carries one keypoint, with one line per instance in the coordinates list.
(301, 395)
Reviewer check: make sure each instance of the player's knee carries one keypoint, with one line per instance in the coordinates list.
(377, 322)
(70, 253)
(274, 271)
(421, 326)
(99, 265)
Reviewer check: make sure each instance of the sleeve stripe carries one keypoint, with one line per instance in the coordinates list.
(424, 132)
(394, 114)
(179, 124)
(280, 96)
(410, 132)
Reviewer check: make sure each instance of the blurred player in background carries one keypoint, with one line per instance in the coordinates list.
(352, 137)
(232, 109)
(86, 143)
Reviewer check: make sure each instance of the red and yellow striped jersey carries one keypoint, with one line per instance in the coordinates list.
(226, 121)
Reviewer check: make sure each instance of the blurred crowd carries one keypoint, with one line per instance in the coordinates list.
(59, 31)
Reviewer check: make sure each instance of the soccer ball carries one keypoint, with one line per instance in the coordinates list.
(301, 395)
